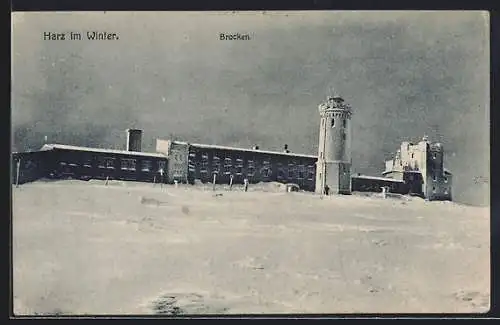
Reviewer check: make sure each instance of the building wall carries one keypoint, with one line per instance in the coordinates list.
(177, 154)
(360, 184)
(427, 159)
(61, 164)
(253, 165)
(438, 182)
(32, 166)
(337, 178)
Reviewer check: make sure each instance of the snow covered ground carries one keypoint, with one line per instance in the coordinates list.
(132, 248)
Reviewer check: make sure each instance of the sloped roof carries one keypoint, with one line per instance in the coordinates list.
(211, 146)
(47, 147)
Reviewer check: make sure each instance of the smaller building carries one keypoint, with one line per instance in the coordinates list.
(364, 183)
(421, 166)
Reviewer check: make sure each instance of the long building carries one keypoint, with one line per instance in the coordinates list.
(416, 169)
(207, 163)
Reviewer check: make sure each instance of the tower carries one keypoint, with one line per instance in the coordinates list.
(333, 168)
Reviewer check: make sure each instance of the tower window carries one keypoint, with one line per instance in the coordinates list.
(412, 154)
(344, 123)
(446, 179)
(333, 122)
(433, 190)
(343, 136)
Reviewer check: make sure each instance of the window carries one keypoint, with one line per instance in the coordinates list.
(161, 165)
(333, 122)
(239, 166)
(204, 163)
(412, 154)
(191, 166)
(128, 164)
(344, 123)
(291, 171)
(192, 162)
(300, 169)
(101, 163)
(434, 178)
(310, 172)
(106, 162)
(250, 168)
(228, 163)
(446, 192)
(215, 165)
(433, 189)
(266, 170)
(87, 162)
(434, 155)
(343, 136)
(146, 166)
(281, 171)
(445, 179)
(110, 162)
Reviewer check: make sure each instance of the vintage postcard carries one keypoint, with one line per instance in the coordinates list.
(253, 162)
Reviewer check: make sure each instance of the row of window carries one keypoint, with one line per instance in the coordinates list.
(125, 164)
(292, 172)
(446, 191)
(435, 179)
(332, 123)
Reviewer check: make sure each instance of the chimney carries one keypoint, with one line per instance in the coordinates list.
(285, 149)
(134, 139)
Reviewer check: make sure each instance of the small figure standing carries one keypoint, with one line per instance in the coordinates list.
(327, 189)
(245, 182)
(161, 177)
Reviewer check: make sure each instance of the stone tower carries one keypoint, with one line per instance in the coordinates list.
(333, 168)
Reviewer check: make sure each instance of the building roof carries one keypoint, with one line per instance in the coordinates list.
(210, 146)
(378, 178)
(47, 147)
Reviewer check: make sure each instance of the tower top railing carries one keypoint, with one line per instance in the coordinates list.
(335, 103)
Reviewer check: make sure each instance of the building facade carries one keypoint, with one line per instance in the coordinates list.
(190, 162)
(423, 165)
(59, 161)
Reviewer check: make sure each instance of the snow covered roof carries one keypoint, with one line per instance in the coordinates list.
(211, 146)
(47, 147)
(378, 178)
